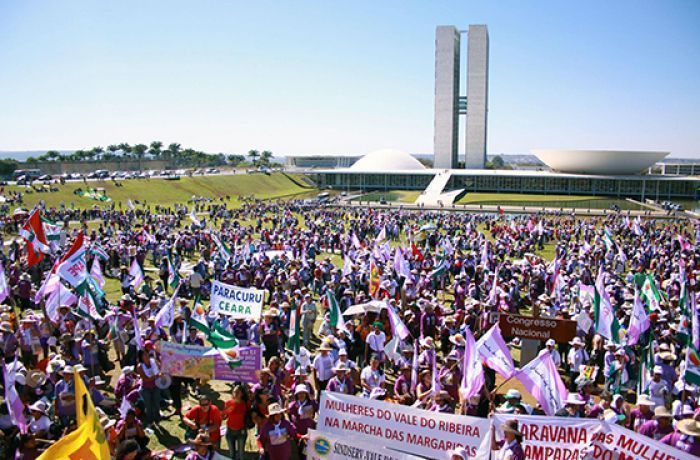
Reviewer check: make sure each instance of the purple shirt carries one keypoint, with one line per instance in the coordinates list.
(277, 439)
(682, 442)
(302, 415)
(651, 429)
(345, 386)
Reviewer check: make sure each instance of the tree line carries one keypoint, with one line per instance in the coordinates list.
(173, 153)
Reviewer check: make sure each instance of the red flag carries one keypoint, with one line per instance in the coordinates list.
(415, 252)
(33, 256)
(33, 232)
(77, 244)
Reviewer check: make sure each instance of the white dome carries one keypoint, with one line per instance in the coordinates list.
(387, 160)
(599, 161)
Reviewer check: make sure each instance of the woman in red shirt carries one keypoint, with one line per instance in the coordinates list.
(234, 412)
(207, 417)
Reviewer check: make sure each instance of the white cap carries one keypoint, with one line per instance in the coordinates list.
(550, 343)
(342, 352)
(658, 370)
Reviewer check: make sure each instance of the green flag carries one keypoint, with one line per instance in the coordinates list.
(173, 275)
(336, 315)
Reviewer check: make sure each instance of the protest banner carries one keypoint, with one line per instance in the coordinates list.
(547, 438)
(186, 360)
(251, 360)
(236, 301)
(327, 446)
(407, 429)
(527, 327)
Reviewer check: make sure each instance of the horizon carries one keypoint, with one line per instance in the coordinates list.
(344, 79)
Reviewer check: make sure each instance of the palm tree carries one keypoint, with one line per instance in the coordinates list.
(125, 148)
(140, 150)
(155, 149)
(265, 157)
(253, 155)
(52, 155)
(96, 152)
(173, 151)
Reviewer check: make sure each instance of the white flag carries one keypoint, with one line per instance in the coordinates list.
(541, 379)
(495, 353)
(130, 204)
(347, 266)
(4, 287)
(96, 272)
(136, 273)
(60, 296)
(193, 218)
(473, 376)
(166, 315)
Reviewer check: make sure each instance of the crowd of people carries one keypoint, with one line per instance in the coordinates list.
(444, 274)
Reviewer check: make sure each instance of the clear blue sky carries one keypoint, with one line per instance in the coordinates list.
(343, 77)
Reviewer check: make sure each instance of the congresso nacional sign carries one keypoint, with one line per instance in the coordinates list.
(526, 327)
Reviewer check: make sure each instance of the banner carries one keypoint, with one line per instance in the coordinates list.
(251, 360)
(527, 327)
(407, 429)
(186, 360)
(326, 446)
(236, 301)
(547, 438)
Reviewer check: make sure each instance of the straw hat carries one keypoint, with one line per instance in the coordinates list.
(457, 339)
(39, 406)
(35, 378)
(689, 426)
(644, 400)
(575, 399)
(275, 409)
(340, 367)
(662, 412)
(5, 327)
(511, 426)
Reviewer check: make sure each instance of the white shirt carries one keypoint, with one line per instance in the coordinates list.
(324, 367)
(376, 341)
(556, 357)
(372, 378)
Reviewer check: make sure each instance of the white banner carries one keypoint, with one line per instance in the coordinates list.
(73, 270)
(237, 301)
(327, 446)
(548, 438)
(403, 428)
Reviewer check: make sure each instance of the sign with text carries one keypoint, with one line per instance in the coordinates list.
(526, 327)
(404, 428)
(546, 438)
(237, 301)
(327, 446)
(251, 359)
(186, 360)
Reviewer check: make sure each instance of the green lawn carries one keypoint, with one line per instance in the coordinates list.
(477, 198)
(165, 192)
(401, 196)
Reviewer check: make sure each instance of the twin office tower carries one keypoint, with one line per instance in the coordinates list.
(448, 103)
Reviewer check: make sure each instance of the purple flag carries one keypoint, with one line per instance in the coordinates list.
(473, 376)
(639, 321)
(14, 404)
(493, 296)
(495, 353)
(541, 379)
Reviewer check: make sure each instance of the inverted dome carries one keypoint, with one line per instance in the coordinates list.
(604, 162)
(387, 160)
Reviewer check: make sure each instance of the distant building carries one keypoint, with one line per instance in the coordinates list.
(320, 161)
(448, 103)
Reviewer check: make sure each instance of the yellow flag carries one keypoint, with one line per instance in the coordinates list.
(88, 441)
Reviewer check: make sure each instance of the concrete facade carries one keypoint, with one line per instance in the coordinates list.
(446, 135)
(477, 96)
